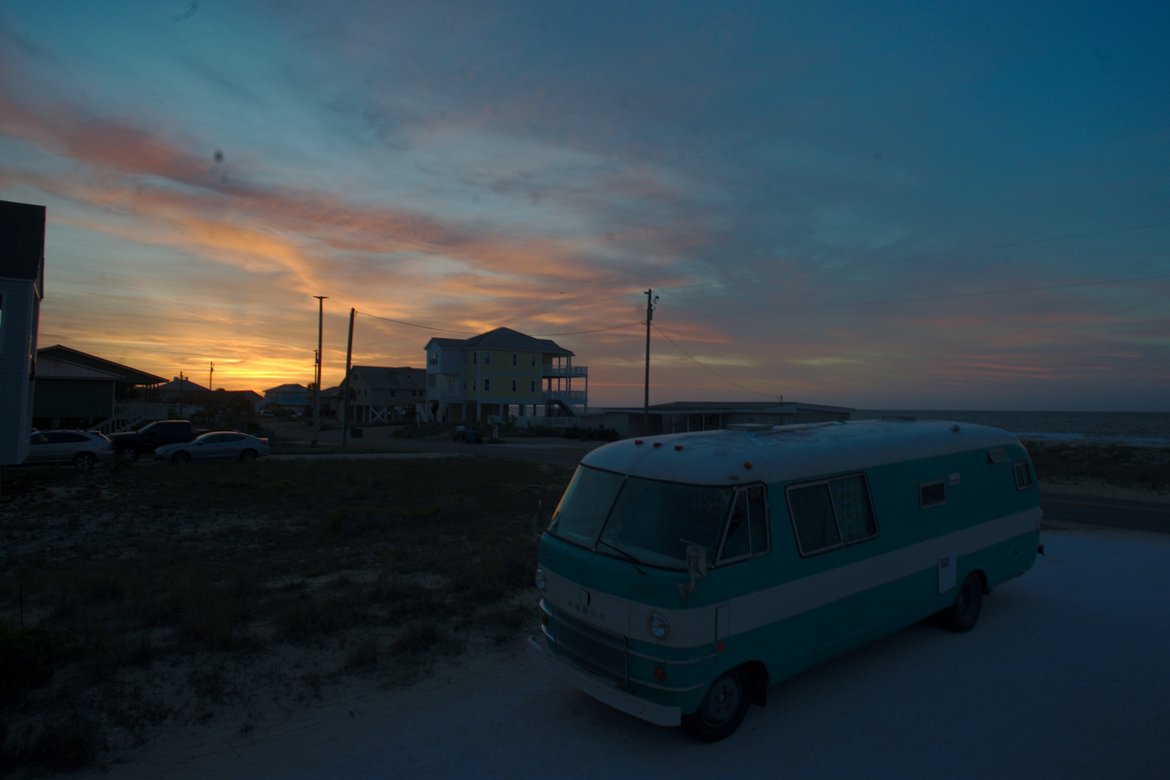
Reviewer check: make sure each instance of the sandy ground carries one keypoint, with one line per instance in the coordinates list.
(1064, 677)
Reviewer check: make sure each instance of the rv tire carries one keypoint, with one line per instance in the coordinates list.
(964, 613)
(723, 707)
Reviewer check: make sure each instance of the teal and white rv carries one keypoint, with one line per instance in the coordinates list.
(681, 575)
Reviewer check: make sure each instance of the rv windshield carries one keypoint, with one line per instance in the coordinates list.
(650, 520)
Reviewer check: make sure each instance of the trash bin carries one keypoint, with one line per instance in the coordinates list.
(356, 432)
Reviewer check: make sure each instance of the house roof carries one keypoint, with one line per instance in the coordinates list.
(74, 364)
(249, 395)
(287, 388)
(503, 339)
(183, 386)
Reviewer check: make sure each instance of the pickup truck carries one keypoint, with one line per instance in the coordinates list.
(130, 444)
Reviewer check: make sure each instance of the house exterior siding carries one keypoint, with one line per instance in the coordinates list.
(22, 257)
(380, 394)
(500, 373)
(77, 390)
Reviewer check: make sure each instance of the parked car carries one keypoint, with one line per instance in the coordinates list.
(81, 448)
(129, 445)
(216, 445)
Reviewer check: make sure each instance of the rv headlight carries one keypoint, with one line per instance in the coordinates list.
(541, 582)
(658, 626)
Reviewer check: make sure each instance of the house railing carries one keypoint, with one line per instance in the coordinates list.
(550, 370)
(128, 414)
(546, 421)
(580, 397)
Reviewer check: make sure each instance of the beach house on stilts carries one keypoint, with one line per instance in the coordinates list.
(500, 375)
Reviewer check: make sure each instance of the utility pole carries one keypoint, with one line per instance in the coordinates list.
(210, 374)
(345, 383)
(650, 300)
(317, 381)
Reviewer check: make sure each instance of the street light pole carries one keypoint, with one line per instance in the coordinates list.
(317, 381)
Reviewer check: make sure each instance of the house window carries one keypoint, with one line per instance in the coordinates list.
(475, 357)
(434, 361)
(532, 358)
(831, 513)
(487, 385)
(532, 385)
(487, 358)
(513, 385)
(932, 494)
(514, 358)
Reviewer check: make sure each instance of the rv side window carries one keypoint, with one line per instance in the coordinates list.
(1023, 475)
(831, 514)
(747, 528)
(932, 494)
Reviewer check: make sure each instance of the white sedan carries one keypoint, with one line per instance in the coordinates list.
(217, 445)
(81, 448)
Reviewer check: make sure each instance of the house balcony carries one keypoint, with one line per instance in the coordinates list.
(445, 396)
(564, 372)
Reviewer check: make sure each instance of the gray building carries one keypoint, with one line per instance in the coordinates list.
(77, 390)
(379, 394)
(683, 416)
(22, 288)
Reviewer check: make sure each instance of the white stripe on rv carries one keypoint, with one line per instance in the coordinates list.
(694, 627)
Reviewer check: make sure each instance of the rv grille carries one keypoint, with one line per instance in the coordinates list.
(595, 650)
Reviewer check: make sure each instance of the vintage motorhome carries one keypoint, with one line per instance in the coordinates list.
(681, 575)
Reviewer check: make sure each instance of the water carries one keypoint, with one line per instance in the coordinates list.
(1147, 429)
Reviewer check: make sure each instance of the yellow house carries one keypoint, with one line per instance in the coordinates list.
(500, 374)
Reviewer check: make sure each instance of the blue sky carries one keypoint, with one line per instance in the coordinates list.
(904, 205)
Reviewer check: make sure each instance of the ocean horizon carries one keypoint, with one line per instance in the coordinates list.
(1146, 429)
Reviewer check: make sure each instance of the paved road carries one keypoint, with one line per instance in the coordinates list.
(1064, 677)
(1106, 511)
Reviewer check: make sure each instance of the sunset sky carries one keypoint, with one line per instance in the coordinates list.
(924, 205)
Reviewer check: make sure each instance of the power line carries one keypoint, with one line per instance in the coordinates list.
(968, 250)
(415, 325)
(595, 330)
(715, 373)
(944, 296)
(1103, 282)
(469, 333)
(817, 307)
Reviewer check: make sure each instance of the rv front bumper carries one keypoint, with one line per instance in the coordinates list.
(602, 689)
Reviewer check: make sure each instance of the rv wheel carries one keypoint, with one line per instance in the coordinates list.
(964, 613)
(722, 709)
